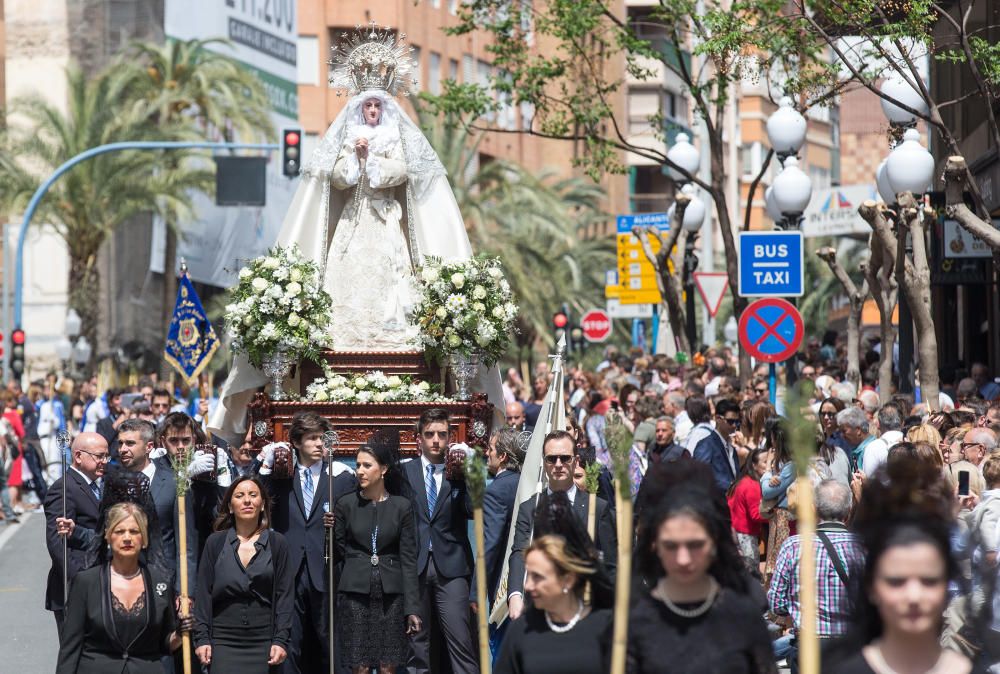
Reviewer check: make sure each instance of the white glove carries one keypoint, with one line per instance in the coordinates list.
(223, 478)
(469, 451)
(201, 463)
(157, 453)
(267, 455)
(338, 468)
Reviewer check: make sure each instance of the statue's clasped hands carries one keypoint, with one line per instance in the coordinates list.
(361, 148)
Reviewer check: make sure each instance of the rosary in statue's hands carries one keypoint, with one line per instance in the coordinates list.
(361, 148)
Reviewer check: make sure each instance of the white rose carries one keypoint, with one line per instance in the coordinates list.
(295, 275)
(275, 291)
(294, 320)
(494, 272)
(454, 340)
(424, 386)
(380, 397)
(394, 382)
(479, 293)
(259, 284)
(248, 321)
(498, 312)
(429, 274)
(478, 307)
(458, 280)
(360, 383)
(245, 273)
(271, 263)
(293, 289)
(441, 312)
(321, 396)
(504, 286)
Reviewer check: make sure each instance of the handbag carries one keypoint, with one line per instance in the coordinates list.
(767, 506)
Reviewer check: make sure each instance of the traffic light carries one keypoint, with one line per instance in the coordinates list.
(560, 321)
(576, 339)
(291, 152)
(17, 353)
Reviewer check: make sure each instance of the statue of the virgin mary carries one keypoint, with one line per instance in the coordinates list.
(373, 201)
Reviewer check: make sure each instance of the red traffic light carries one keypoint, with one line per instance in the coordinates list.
(559, 320)
(17, 337)
(292, 138)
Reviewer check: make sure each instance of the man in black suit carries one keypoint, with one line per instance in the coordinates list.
(297, 513)
(504, 456)
(559, 456)
(83, 495)
(442, 510)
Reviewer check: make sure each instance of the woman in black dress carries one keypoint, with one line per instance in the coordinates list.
(243, 605)
(559, 632)
(904, 520)
(376, 539)
(120, 614)
(695, 613)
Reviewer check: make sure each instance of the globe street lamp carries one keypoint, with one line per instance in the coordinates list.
(694, 218)
(898, 89)
(786, 130)
(791, 192)
(684, 154)
(910, 167)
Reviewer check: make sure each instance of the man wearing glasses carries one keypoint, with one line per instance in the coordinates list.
(442, 510)
(560, 458)
(977, 445)
(83, 496)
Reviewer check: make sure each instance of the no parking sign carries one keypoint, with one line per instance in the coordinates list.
(771, 330)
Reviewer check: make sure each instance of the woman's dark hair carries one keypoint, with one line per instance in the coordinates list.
(903, 504)
(554, 516)
(826, 449)
(384, 448)
(777, 439)
(688, 488)
(747, 470)
(227, 520)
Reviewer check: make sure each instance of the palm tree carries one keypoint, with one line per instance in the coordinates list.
(535, 223)
(186, 82)
(92, 199)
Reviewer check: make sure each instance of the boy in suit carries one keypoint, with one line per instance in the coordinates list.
(298, 514)
(442, 510)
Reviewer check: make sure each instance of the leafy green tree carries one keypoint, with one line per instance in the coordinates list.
(535, 223)
(573, 82)
(92, 199)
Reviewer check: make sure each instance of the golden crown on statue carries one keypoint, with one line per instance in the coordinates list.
(372, 58)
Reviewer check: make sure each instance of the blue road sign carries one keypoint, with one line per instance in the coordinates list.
(771, 264)
(627, 222)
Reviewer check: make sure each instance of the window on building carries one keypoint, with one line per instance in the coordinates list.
(307, 61)
(468, 69)
(643, 105)
(750, 158)
(453, 7)
(820, 177)
(453, 70)
(483, 72)
(434, 74)
(652, 190)
(527, 115)
(418, 69)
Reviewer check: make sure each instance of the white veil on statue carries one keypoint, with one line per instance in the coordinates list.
(432, 222)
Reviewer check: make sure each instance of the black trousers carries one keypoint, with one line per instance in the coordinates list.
(447, 601)
(308, 650)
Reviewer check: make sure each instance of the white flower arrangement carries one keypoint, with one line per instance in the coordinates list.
(278, 304)
(371, 387)
(465, 307)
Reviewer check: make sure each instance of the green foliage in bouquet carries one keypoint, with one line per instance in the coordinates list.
(279, 305)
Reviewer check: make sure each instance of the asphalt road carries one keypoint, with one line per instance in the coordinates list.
(31, 645)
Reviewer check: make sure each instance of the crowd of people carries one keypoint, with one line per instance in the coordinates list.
(905, 550)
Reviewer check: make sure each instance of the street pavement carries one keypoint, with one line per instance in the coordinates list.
(27, 630)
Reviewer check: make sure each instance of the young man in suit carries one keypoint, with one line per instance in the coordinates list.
(298, 514)
(83, 495)
(710, 444)
(504, 456)
(442, 510)
(559, 457)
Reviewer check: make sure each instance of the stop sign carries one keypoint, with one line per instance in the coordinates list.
(596, 325)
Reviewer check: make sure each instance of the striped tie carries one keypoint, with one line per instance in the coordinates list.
(432, 491)
(307, 490)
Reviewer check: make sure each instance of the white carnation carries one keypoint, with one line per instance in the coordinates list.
(259, 284)
(293, 289)
(295, 274)
(270, 263)
(441, 312)
(454, 340)
(294, 320)
(429, 274)
(478, 307)
(495, 272)
(245, 273)
(479, 293)
(498, 312)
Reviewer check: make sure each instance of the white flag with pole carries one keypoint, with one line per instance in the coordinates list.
(552, 417)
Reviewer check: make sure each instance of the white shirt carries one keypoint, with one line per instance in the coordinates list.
(83, 475)
(438, 473)
(570, 493)
(314, 471)
(877, 451)
(149, 471)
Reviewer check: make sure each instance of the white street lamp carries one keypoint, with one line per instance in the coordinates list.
(81, 352)
(900, 90)
(694, 214)
(792, 189)
(786, 129)
(73, 323)
(771, 206)
(731, 330)
(64, 349)
(882, 183)
(910, 167)
(684, 154)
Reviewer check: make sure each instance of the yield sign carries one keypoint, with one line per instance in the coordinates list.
(712, 288)
(771, 329)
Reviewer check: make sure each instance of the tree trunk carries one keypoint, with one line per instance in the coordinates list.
(169, 287)
(955, 181)
(883, 284)
(84, 293)
(666, 280)
(915, 282)
(857, 298)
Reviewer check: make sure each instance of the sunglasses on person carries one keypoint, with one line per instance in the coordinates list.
(553, 459)
(761, 391)
(735, 422)
(828, 415)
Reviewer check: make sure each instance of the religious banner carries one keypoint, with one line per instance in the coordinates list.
(191, 340)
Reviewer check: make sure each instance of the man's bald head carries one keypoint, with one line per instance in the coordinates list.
(90, 454)
(515, 414)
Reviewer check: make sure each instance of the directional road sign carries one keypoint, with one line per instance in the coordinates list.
(771, 330)
(636, 274)
(596, 325)
(771, 264)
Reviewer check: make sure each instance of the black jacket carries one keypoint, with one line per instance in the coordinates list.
(90, 642)
(212, 593)
(82, 508)
(498, 513)
(305, 534)
(396, 545)
(447, 528)
(604, 528)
